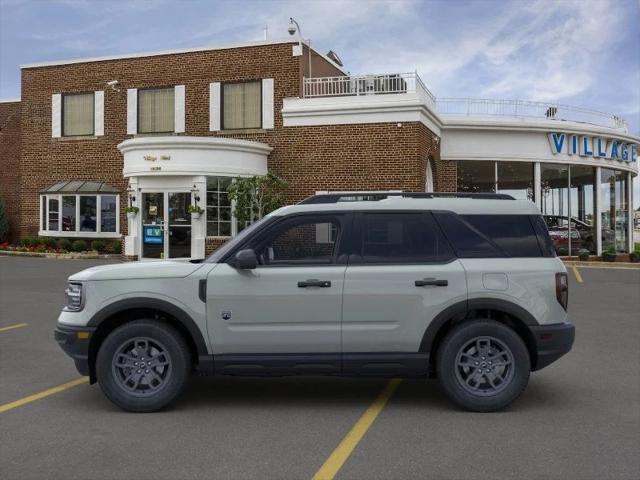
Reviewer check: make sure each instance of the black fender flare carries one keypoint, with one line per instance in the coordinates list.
(460, 309)
(155, 304)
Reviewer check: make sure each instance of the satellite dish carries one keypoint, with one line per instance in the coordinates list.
(334, 57)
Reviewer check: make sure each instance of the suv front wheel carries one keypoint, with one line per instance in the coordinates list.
(483, 365)
(142, 366)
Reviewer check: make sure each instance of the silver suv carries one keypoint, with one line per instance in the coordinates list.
(465, 288)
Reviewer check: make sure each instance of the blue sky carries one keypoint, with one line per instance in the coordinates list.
(582, 52)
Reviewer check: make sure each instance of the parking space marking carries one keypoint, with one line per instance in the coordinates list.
(334, 463)
(576, 273)
(11, 327)
(45, 393)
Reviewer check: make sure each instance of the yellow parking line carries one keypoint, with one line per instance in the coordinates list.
(340, 455)
(576, 273)
(45, 393)
(11, 327)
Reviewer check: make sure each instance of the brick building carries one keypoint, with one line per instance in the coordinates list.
(160, 131)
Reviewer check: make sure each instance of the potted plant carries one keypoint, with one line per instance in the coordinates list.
(610, 254)
(131, 212)
(195, 211)
(583, 254)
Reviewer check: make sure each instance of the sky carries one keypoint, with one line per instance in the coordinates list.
(577, 52)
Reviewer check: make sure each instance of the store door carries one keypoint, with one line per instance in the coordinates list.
(166, 225)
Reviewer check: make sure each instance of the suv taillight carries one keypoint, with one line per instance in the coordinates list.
(562, 289)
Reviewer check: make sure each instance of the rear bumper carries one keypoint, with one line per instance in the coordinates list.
(75, 343)
(552, 342)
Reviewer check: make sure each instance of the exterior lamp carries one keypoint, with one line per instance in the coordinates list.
(194, 192)
(132, 197)
(293, 28)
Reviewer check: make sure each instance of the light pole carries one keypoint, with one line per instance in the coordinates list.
(293, 28)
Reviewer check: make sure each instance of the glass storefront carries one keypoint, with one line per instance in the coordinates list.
(614, 210)
(568, 199)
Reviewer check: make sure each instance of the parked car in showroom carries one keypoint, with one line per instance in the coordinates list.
(463, 287)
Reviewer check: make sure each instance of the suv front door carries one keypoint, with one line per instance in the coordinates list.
(403, 273)
(290, 304)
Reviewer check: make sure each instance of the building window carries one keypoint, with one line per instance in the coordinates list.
(242, 105)
(156, 110)
(78, 114)
(476, 176)
(219, 211)
(516, 179)
(614, 192)
(79, 215)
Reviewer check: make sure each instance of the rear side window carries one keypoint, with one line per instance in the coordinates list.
(542, 232)
(402, 238)
(467, 241)
(514, 234)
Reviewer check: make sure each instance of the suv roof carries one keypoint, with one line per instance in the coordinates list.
(459, 203)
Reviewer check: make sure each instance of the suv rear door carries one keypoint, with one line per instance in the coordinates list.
(401, 275)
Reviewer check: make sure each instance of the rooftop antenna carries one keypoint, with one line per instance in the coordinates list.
(266, 32)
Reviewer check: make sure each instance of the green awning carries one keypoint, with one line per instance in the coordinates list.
(80, 186)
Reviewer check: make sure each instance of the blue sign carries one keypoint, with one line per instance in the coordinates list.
(152, 235)
(588, 146)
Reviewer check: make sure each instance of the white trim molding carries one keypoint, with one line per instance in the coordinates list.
(179, 108)
(98, 111)
(185, 155)
(267, 103)
(56, 115)
(214, 107)
(132, 111)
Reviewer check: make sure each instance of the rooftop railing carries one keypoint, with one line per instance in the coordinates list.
(398, 83)
(474, 107)
(356, 85)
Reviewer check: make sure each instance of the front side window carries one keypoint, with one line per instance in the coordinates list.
(303, 242)
(402, 238)
(219, 218)
(78, 114)
(156, 110)
(242, 105)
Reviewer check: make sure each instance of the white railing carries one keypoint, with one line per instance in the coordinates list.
(398, 83)
(473, 107)
(367, 85)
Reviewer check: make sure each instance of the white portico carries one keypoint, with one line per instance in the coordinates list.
(167, 174)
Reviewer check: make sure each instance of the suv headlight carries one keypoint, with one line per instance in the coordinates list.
(74, 297)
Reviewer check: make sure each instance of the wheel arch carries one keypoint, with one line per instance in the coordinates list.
(503, 311)
(127, 310)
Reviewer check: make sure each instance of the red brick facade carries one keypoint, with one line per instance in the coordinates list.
(10, 162)
(378, 156)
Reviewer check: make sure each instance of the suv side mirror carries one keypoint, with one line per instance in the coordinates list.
(245, 260)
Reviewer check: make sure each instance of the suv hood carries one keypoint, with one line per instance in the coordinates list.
(137, 270)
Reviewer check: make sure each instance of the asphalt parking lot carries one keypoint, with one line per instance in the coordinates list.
(579, 418)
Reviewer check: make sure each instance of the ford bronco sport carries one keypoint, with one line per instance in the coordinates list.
(462, 287)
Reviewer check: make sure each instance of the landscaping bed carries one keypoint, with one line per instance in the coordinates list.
(63, 248)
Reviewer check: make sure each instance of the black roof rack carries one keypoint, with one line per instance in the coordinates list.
(374, 196)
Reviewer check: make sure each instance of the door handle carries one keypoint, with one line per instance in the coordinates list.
(312, 282)
(425, 282)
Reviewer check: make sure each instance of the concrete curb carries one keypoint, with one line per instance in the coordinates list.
(61, 256)
(614, 265)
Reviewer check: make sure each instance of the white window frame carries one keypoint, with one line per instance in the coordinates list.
(77, 233)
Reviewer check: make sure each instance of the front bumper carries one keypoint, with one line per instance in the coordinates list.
(75, 343)
(552, 342)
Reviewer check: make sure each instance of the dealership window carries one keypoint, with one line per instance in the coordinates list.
(516, 179)
(156, 110)
(242, 105)
(582, 208)
(219, 209)
(78, 208)
(78, 114)
(476, 176)
(614, 192)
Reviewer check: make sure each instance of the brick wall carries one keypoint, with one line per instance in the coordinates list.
(10, 162)
(342, 157)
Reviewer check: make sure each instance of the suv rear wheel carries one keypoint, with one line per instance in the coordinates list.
(143, 365)
(483, 365)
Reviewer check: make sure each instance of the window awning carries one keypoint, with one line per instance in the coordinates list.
(80, 186)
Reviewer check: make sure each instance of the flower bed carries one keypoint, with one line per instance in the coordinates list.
(62, 246)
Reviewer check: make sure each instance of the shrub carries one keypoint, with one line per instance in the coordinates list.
(563, 251)
(98, 245)
(79, 246)
(583, 254)
(65, 244)
(115, 246)
(48, 241)
(4, 223)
